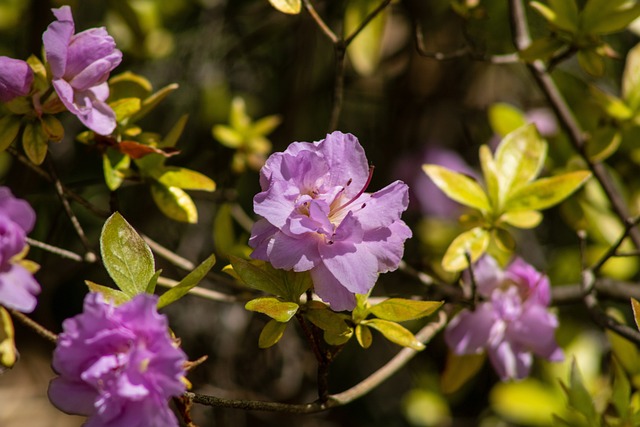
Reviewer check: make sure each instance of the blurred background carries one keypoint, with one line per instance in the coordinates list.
(405, 108)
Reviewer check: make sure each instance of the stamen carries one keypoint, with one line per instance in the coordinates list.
(362, 190)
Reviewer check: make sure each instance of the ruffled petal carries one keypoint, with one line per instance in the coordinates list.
(469, 331)
(18, 289)
(330, 290)
(56, 41)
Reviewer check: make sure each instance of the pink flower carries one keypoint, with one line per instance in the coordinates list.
(16, 78)
(317, 218)
(80, 65)
(512, 323)
(18, 288)
(118, 365)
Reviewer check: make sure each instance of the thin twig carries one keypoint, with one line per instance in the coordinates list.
(340, 399)
(612, 251)
(320, 22)
(168, 255)
(38, 328)
(201, 292)
(63, 253)
(370, 17)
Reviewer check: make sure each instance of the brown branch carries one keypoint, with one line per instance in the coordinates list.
(38, 328)
(340, 399)
(63, 253)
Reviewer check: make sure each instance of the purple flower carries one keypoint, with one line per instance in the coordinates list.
(316, 217)
(18, 288)
(512, 323)
(16, 78)
(118, 365)
(80, 65)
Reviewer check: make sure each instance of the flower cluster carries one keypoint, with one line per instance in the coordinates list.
(80, 66)
(513, 322)
(317, 217)
(18, 288)
(118, 365)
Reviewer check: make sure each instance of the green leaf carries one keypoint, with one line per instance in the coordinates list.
(8, 352)
(227, 136)
(281, 311)
(631, 78)
(152, 101)
(543, 48)
(256, 277)
(505, 118)
(490, 174)
(616, 21)
(567, 16)
(613, 106)
(364, 51)
(474, 242)
(34, 142)
(522, 219)
(503, 239)
(336, 330)
(546, 192)
(401, 310)
(125, 108)
(224, 237)
(591, 62)
(271, 333)
(114, 165)
(595, 11)
(528, 402)
(185, 285)
(621, 390)
(174, 203)
(126, 256)
(238, 117)
(9, 128)
(364, 336)
(458, 187)
(290, 7)
(579, 397)
(266, 125)
(625, 352)
(129, 85)
(459, 369)
(187, 179)
(635, 305)
(114, 296)
(171, 139)
(603, 143)
(52, 128)
(395, 333)
(153, 282)
(519, 159)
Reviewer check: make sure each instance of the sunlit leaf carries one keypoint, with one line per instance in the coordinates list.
(567, 17)
(614, 22)
(174, 203)
(266, 125)
(238, 117)
(528, 402)
(395, 333)
(612, 106)
(171, 139)
(291, 7)
(8, 352)
(364, 51)
(603, 143)
(128, 84)
(271, 333)
(256, 277)
(625, 351)
(126, 256)
(52, 128)
(490, 174)
(621, 390)
(114, 165)
(153, 282)
(522, 219)
(336, 330)
(579, 397)
(401, 310)
(631, 78)
(635, 305)
(505, 118)
(474, 242)
(125, 108)
(459, 370)
(9, 127)
(546, 192)
(457, 186)
(185, 285)
(519, 158)
(34, 142)
(227, 136)
(187, 179)
(115, 296)
(543, 48)
(281, 311)
(364, 336)
(425, 408)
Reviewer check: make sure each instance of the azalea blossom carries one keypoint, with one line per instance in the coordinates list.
(18, 288)
(16, 78)
(512, 323)
(317, 217)
(80, 65)
(118, 365)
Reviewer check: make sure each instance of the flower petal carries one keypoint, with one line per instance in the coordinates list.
(329, 288)
(18, 289)
(56, 40)
(469, 331)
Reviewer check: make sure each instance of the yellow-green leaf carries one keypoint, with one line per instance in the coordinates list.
(490, 174)
(256, 277)
(114, 165)
(528, 402)
(227, 136)
(364, 336)
(171, 139)
(505, 118)
(114, 296)
(395, 333)
(266, 125)
(457, 186)
(152, 101)
(474, 242)
(174, 203)
(591, 62)
(281, 311)
(364, 51)
(290, 7)
(52, 128)
(612, 106)
(125, 108)
(187, 179)
(522, 219)
(616, 21)
(271, 333)
(546, 192)
(224, 237)
(185, 285)
(567, 15)
(459, 369)
(543, 48)
(401, 310)
(603, 143)
(336, 330)
(9, 128)
(128, 84)
(519, 158)
(631, 78)
(8, 352)
(34, 142)
(635, 305)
